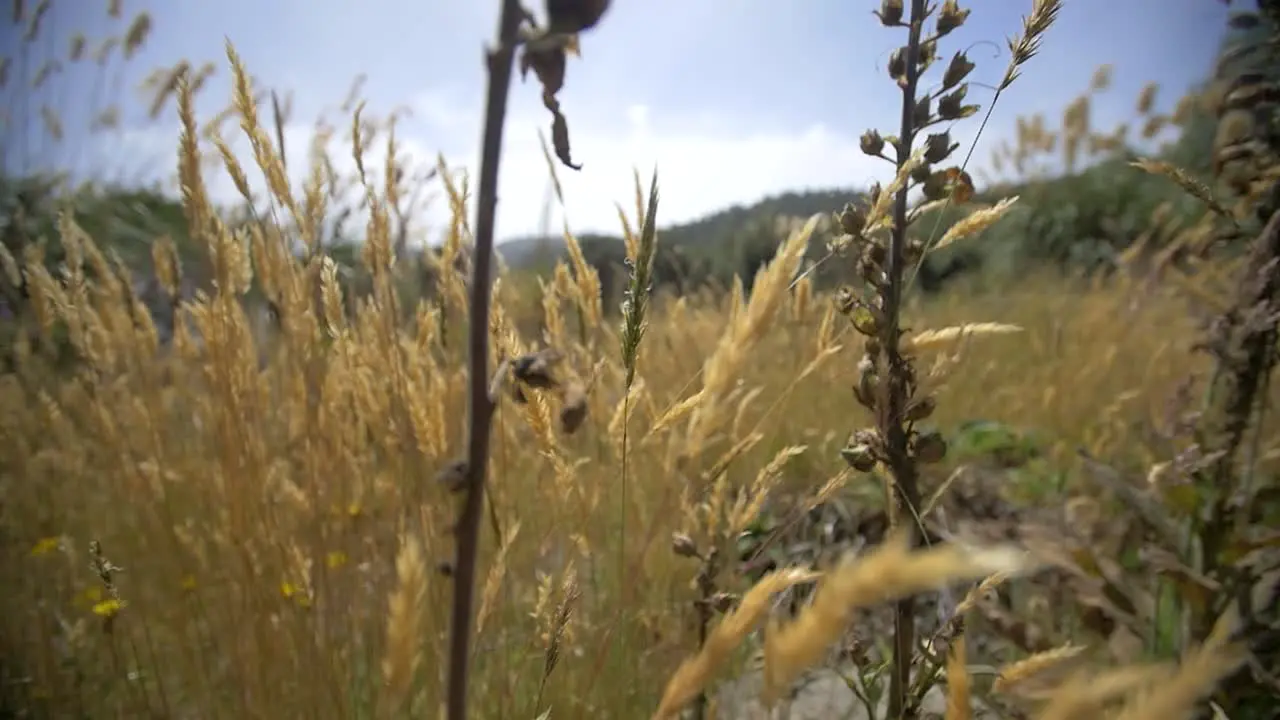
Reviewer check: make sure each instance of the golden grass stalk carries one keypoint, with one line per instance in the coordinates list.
(1030, 676)
(880, 216)
(493, 582)
(558, 632)
(1197, 676)
(1086, 694)
(959, 691)
(749, 504)
(723, 369)
(137, 34)
(975, 223)
(1190, 185)
(640, 254)
(890, 572)
(52, 123)
(33, 25)
(926, 339)
(404, 622)
(1027, 44)
(694, 673)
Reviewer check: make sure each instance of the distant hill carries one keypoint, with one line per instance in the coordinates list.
(708, 237)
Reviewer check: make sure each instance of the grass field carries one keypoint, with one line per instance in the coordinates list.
(258, 521)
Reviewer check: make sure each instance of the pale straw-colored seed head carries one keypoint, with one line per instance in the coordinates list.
(926, 339)
(975, 223)
(404, 621)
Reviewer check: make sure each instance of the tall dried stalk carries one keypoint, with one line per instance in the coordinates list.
(544, 52)
(500, 60)
(887, 383)
(896, 390)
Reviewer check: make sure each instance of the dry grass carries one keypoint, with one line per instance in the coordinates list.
(278, 523)
(282, 504)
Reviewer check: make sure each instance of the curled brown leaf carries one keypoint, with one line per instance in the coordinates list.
(546, 53)
(574, 16)
(573, 408)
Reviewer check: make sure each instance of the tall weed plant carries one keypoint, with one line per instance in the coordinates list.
(303, 496)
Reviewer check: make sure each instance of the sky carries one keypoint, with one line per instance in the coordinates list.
(729, 101)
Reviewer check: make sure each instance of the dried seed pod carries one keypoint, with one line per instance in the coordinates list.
(922, 113)
(870, 272)
(872, 346)
(928, 53)
(897, 63)
(950, 17)
(951, 106)
(935, 188)
(871, 143)
(867, 436)
(930, 447)
(684, 546)
(862, 450)
(860, 457)
(845, 300)
(868, 380)
(852, 219)
(921, 408)
(867, 319)
(957, 70)
(876, 253)
(939, 147)
(890, 12)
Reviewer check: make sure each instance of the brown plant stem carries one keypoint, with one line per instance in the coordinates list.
(901, 465)
(1245, 369)
(1247, 366)
(467, 532)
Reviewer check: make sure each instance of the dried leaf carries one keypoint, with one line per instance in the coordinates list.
(961, 184)
(548, 64)
(537, 370)
(574, 16)
(560, 140)
(573, 408)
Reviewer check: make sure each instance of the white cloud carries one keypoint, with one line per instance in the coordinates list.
(703, 168)
(705, 163)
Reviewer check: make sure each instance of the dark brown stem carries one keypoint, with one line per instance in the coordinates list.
(1246, 363)
(894, 431)
(699, 709)
(706, 581)
(500, 60)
